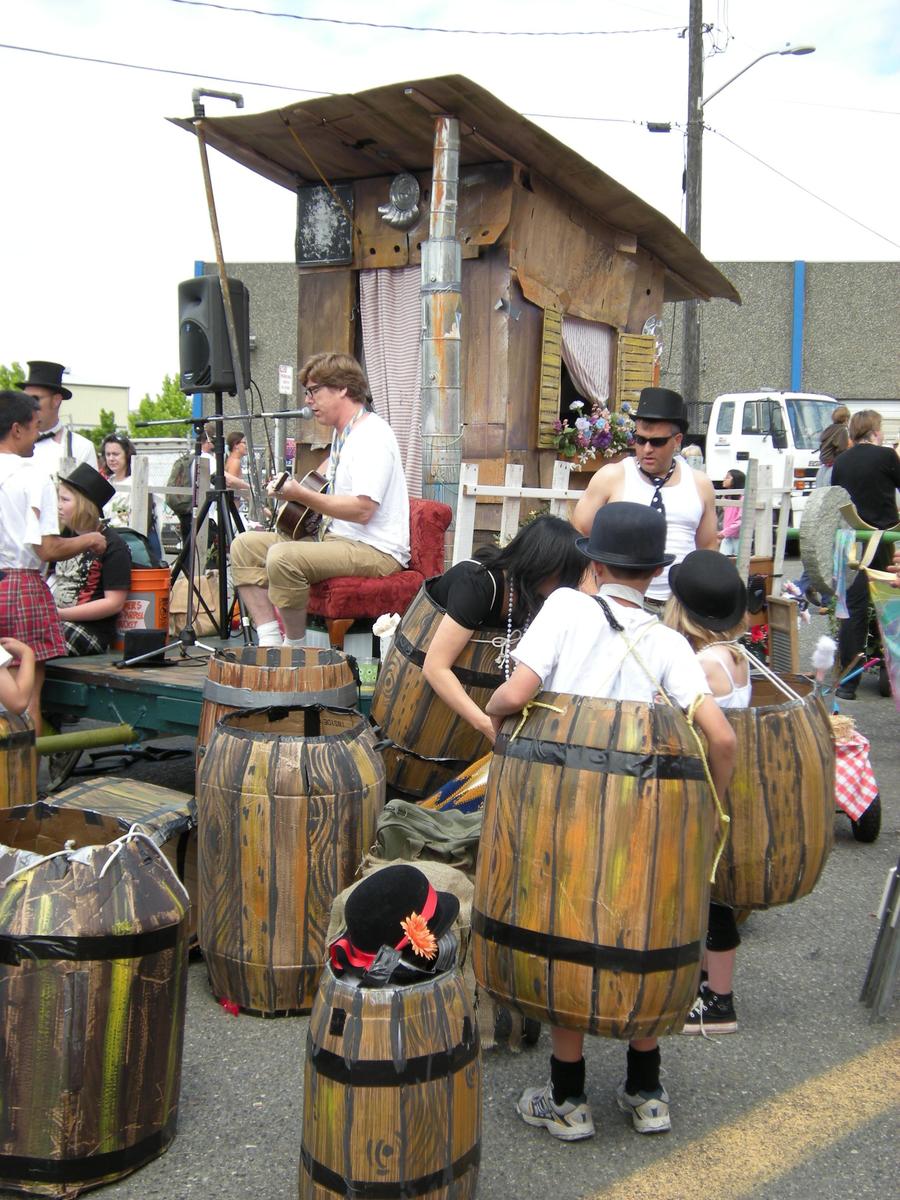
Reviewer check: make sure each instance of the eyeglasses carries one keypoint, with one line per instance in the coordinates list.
(657, 442)
(311, 391)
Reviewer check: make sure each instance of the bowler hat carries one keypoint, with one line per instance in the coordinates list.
(46, 375)
(90, 483)
(710, 589)
(661, 404)
(627, 535)
(397, 907)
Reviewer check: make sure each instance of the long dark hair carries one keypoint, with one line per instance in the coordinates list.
(544, 549)
(119, 439)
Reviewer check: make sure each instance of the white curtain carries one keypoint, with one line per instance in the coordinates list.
(587, 350)
(391, 314)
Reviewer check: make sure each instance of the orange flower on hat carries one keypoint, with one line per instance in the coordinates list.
(420, 936)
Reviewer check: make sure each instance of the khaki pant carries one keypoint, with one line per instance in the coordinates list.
(287, 568)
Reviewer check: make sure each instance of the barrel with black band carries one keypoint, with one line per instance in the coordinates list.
(781, 796)
(287, 801)
(277, 675)
(428, 743)
(392, 1092)
(18, 760)
(592, 885)
(93, 974)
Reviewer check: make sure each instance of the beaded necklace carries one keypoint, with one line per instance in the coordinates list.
(503, 659)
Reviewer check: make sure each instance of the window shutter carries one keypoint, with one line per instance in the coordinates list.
(551, 372)
(635, 358)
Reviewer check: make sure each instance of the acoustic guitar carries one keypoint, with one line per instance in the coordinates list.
(293, 519)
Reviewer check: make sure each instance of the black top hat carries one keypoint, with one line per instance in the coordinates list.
(661, 404)
(708, 585)
(627, 535)
(46, 375)
(397, 907)
(90, 483)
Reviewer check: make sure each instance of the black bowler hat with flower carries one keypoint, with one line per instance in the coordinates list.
(396, 907)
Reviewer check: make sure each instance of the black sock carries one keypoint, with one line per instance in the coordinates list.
(643, 1071)
(567, 1079)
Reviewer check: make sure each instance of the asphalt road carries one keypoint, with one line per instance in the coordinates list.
(801, 1103)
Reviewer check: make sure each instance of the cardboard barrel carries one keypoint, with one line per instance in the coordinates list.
(18, 760)
(97, 811)
(238, 679)
(287, 800)
(93, 974)
(781, 798)
(592, 884)
(430, 743)
(392, 1092)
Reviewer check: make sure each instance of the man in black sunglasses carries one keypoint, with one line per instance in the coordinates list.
(659, 477)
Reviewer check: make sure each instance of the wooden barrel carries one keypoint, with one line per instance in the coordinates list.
(430, 742)
(392, 1092)
(18, 760)
(592, 884)
(287, 801)
(93, 974)
(237, 679)
(97, 811)
(781, 799)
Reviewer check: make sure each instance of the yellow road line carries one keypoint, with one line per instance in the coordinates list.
(775, 1137)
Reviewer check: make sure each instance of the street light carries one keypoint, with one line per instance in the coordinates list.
(693, 177)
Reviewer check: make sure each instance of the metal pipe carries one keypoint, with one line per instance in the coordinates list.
(441, 312)
(86, 739)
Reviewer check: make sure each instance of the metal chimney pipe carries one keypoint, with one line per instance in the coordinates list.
(441, 305)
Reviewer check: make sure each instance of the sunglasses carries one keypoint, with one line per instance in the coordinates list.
(657, 442)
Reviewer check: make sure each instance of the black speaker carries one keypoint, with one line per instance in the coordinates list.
(204, 353)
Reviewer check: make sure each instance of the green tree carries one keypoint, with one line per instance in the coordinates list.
(99, 432)
(10, 376)
(169, 402)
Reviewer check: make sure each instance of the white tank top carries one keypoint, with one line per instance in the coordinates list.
(684, 509)
(739, 696)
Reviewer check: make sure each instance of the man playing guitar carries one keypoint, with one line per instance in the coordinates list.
(364, 528)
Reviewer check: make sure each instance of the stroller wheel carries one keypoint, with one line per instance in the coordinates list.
(868, 827)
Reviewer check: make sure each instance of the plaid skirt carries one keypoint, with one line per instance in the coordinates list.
(83, 639)
(27, 612)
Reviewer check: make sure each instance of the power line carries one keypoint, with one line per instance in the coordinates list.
(260, 12)
(110, 62)
(814, 195)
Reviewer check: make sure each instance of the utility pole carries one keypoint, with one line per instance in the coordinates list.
(693, 186)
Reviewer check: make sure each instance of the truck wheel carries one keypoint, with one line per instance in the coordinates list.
(868, 827)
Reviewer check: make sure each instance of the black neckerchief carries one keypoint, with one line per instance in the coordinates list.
(659, 482)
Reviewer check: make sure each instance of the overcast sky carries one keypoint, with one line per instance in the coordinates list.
(104, 210)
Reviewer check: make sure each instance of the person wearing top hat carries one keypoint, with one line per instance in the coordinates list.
(54, 442)
(607, 646)
(29, 538)
(90, 589)
(659, 477)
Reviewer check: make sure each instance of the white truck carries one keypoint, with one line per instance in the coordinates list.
(769, 426)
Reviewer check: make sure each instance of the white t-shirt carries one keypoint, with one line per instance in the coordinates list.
(28, 512)
(48, 453)
(573, 649)
(370, 465)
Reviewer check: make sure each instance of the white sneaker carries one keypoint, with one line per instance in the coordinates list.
(649, 1113)
(570, 1122)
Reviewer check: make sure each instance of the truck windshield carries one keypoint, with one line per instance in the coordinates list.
(808, 418)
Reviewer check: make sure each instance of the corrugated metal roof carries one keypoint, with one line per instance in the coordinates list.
(390, 128)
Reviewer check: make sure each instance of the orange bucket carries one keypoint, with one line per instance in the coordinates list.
(147, 606)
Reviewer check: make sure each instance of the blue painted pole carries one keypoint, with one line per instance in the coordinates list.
(197, 397)
(798, 320)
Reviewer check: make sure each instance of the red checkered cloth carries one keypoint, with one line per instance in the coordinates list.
(854, 784)
(27, 612)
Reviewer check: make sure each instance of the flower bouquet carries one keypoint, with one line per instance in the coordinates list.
(600, 432)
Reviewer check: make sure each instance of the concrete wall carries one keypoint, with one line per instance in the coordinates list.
(849, 334)
(83, 410)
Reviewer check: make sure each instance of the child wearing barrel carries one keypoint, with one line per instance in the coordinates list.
(709, 607)
(89, 589)
(608, 646)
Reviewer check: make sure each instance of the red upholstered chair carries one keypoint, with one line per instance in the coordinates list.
(347, 598)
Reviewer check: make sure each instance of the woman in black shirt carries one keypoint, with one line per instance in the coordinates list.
(501, 589)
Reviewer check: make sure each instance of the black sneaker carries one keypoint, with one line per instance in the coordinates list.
(711, 1013)
(845, 691)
